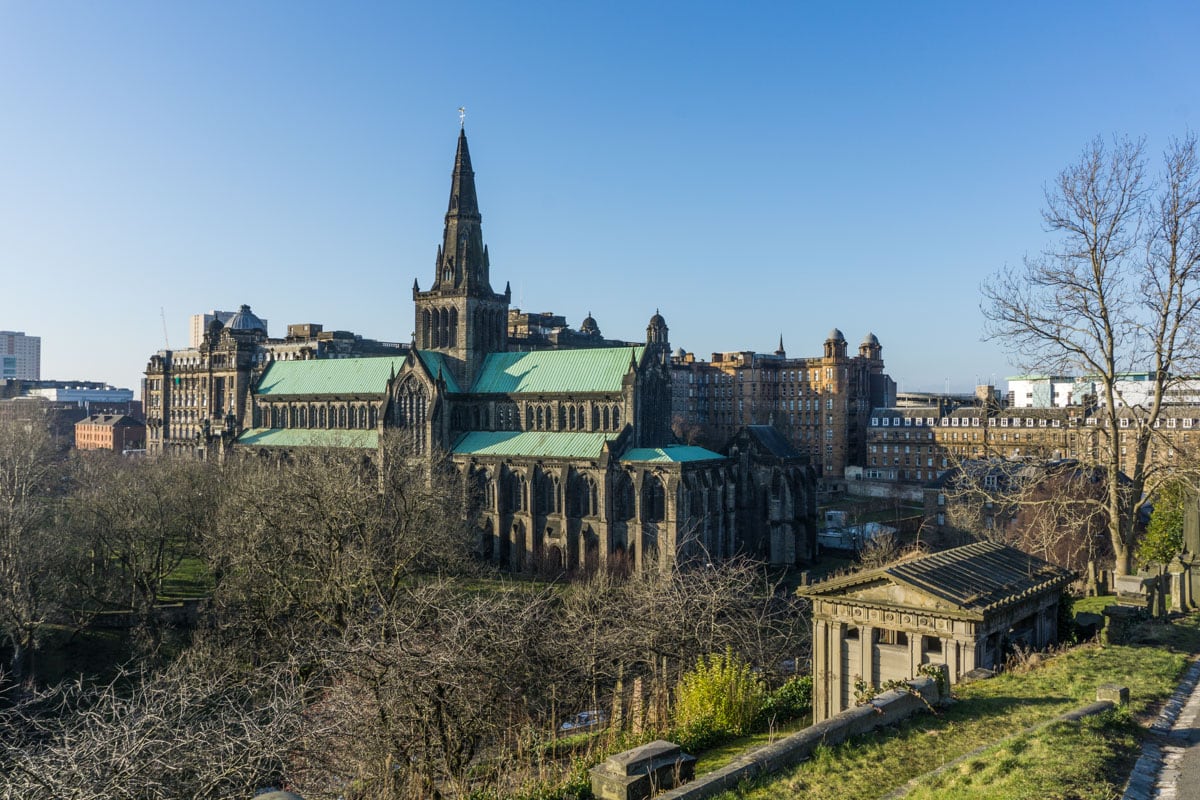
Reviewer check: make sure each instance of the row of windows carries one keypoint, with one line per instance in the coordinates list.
(310, 416)
(1016, 422)
(572, 417)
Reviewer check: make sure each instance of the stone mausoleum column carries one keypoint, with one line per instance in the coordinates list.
(837, 631)
(866, 661)
(821, 672)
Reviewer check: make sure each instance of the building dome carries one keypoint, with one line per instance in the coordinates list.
(656, 332)
(836, 336)
(244, 320)
(589, 326)
(871, 339)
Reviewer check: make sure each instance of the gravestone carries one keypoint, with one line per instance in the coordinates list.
(1135, 590)
(1191, 539)
(1179, 574)
(638, 773)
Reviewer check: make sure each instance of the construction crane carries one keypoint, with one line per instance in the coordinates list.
(162, 312)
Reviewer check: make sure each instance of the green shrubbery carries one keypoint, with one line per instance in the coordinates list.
(790, 700)
(723, 697)
(721, 694)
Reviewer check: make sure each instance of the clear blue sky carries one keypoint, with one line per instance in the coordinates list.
(750, 169)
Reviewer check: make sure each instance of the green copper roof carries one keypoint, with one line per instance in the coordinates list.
(556, 371)
(329, 376)
(310, 437)
(436, 362)
(542, 444)
(672, 453)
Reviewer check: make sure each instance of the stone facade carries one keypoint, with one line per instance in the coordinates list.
(915, 445)
(820, 403)
(115, 432)
(568, 449)
(197, 401)
(962, 608)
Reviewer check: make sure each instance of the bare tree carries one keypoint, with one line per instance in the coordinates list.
(304, 544)
(1116, 293)
(171, 734)
(455, 688)
(37, 560)
(142, 519)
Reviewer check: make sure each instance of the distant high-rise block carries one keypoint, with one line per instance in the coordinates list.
(20, 356)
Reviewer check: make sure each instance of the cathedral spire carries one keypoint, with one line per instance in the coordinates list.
(462, 260)
(460, 316)
(462, 183)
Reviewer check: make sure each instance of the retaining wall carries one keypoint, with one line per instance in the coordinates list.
(886, 709)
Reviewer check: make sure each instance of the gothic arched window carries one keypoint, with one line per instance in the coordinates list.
(654, 500)
(623, 500)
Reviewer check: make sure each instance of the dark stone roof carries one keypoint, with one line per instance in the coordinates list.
(772, 441)
(976, 578)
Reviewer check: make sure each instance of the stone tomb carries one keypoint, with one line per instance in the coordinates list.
(963, 608)
(639, 773)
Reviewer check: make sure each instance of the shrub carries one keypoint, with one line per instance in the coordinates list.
(790, 700)
(720, 695)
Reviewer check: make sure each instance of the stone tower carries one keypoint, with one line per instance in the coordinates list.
(460, 316)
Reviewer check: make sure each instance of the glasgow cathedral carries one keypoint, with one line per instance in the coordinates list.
(568, 439)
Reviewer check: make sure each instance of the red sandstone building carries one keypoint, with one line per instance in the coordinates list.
(116, 432)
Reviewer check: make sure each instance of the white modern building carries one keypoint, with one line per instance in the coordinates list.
(20, 356)
(1131, 389)
(1041, 391)
(81, 393)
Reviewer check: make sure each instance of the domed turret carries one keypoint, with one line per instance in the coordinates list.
(213, 332)
(870, 347)
(589, 326)
(656, 331)
(244, 320)
(657, 338)
(835, 344)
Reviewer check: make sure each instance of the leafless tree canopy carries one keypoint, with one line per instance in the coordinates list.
(37, 560)
(351, 648)
(170, 734)
(1116, 292)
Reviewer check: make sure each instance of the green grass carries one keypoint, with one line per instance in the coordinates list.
(716, 757)
(1085, 759)
(987, 711)
(1092, 605)
(191, 580)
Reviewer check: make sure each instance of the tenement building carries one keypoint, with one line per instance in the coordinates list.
(566, 435)
(915, 445)
(819, 403)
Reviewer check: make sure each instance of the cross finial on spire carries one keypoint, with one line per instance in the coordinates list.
(462, 116)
